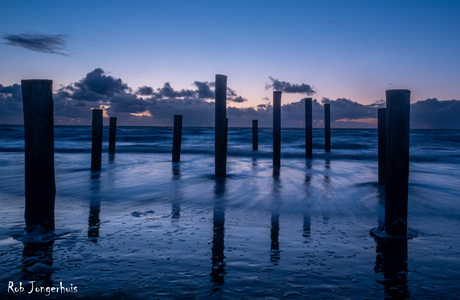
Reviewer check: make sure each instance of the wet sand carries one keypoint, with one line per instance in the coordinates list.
(144, 228)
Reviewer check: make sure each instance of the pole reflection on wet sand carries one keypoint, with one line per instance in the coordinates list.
(275, 254)
(37, 262)
(391, 261)
(94, 221)
(176, 201)
(218, 264)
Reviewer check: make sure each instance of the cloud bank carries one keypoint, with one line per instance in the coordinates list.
(54, 44)
(288, 87)
(149, 106)
(432, 113)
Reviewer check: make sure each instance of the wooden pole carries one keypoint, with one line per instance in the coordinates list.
(397, 161)
(220, 126)
(40, 187)
(177, 138)
(382, 143)
(112, 135)
(226, 139)
(308, 128)
(276, 128)
(255, 135)
(327, 127)
(96, 149)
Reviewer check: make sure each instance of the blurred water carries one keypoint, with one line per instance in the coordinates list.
(147, 228)
(361, 144)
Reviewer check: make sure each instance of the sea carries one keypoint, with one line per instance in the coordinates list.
(147, 228)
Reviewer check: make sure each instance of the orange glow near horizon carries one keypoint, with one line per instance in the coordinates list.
(142, 114)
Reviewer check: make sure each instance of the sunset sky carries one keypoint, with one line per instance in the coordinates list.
(339, 49)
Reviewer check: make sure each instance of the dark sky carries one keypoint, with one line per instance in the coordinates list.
(352, 49)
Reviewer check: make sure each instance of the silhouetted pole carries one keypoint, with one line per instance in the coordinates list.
(96, 149)
(226, 138)
(308, 128)
(327, 127)
(221, 126)
(112, 135)
(40, 188)
(177, 138)
(255, 135)
(397, 161)
(382, 143)
(277, 128)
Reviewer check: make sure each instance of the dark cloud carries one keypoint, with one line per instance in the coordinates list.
(74, 102)
(38, 42)
(231, 93)
(95, 90)
(342, 108)
(13, 91)
(293, 114)
(98, 83)
(128, 103)
(168, 92)
(196, 112)
(73, 105)
(238, 99)
(155, 107)
(288, 87)
(69, 111)
(145, 90)
(432, 113)
(11, 104)
(204, 89)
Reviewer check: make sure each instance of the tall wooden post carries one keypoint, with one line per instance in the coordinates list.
(226, 139)
(112, 135)
(397, 161)
(327, 127)
(382, 143)
(308, 128)
(96, 149)
(221, 126)
(40, 188)
(177, 138)
(255, 135)
(276, 128)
